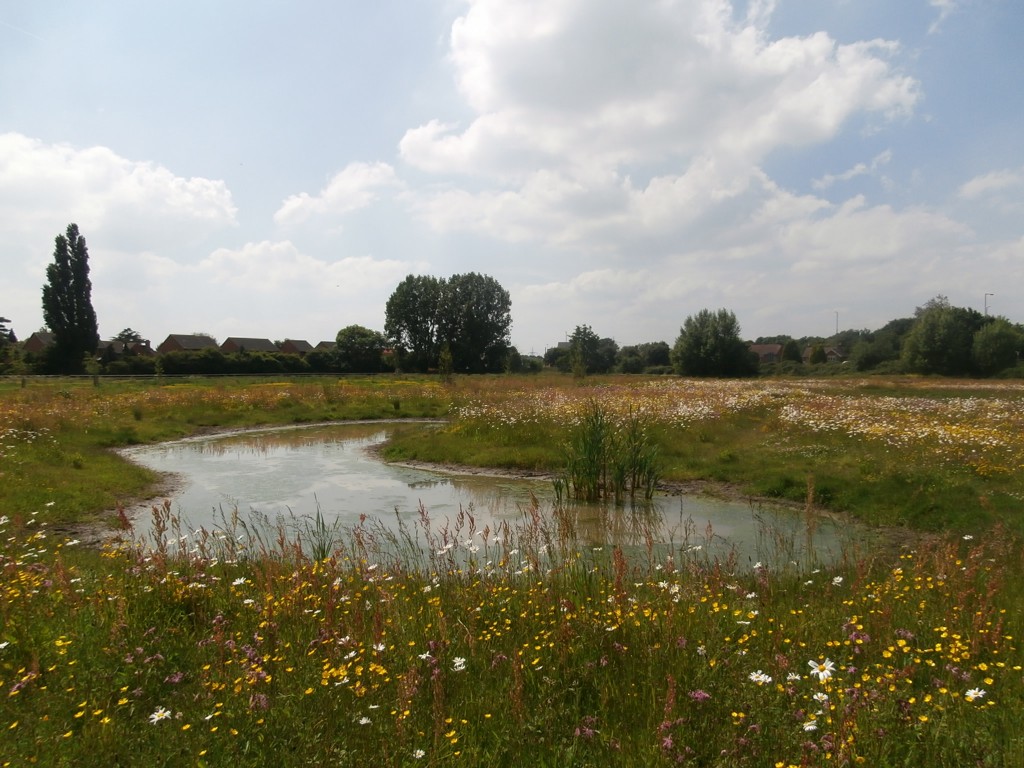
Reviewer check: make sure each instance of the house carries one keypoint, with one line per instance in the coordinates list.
(832, 354)
(327, 346)
(767, 353)
(140, 348)
(295, 347)
(109, 350)
(179, 342)
(38, 341)
(239, 344)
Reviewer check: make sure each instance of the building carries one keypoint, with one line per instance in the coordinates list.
(180, 342)
(295, 347)
(37, 342)
(767, 353)
(239, 344)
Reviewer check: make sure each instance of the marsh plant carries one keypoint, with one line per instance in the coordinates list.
(441, 643)
(608, 457)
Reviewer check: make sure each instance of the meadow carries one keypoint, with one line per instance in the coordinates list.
(445, 645)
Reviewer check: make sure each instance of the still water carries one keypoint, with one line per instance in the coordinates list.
(332, 469)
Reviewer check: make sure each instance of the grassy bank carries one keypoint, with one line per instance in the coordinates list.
(445, 645)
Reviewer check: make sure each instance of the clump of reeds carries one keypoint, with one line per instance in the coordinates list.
(608, 459)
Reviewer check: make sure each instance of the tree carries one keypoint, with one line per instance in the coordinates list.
(791, 352)
(584, 348)
(997, 346)
(67, 303)
(411, 317)
(709, 344)
(128, 336)
(7, 340)
(640, 357)
(470, 313)
(558, 358)
(942, 339)
(630, 360)
(360, 350)
(474, 319)
(882, 346)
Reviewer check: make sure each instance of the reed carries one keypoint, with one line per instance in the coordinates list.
(606, 458)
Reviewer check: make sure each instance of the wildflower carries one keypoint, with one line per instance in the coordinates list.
(364, 720)
(159, 714)
(238, 582)
(974, 693)
(821, 698)
(760, 677)
(837, 580)
(458, 664)
(419, 754)
(700, 695)
(822, 669)
(810, 726)
(967, 537)
(792, 677)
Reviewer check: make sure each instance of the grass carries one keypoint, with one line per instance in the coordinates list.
(441, 644)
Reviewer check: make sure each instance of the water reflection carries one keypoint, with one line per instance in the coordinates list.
(332, 470)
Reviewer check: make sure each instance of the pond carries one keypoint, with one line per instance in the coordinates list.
(298, 472)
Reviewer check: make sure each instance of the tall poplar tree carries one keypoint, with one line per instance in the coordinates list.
(67, 303)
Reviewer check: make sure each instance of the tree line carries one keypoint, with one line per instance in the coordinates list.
(462, 324)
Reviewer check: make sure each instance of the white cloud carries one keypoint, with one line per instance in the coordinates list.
(272, 268)
(122, 202)
(860, 169)
(354, 187)
(576, 102)
(945, 8)
(266, 288)
(990, 183)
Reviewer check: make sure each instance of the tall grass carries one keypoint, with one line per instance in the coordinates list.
(446, 643)
(438, 643)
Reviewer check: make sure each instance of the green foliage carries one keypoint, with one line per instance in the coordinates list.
(558, 358)
(608, 459)
(411, 321)
(941, 339)
(583, 350)
(997, 346)
(444, 363)
(129, 336)
(474, 319)
(469, 312)
(67, 304)
(709, 344)
(360, 350)
(818, 355)
(791, 352)
(882, 346)
(406, 646)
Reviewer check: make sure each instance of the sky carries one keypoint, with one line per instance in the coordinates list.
(264, 169)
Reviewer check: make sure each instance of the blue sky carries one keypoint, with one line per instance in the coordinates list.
(268, 169)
